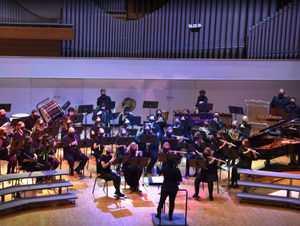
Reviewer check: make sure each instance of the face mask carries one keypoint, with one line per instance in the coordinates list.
(195, 138)
(185, 115)
(205, 155)
(123, 134)
(133, 150)
(169, 134)
(101, 134)
(3, 116)
(108, 152)
(176, 122)
(206, 125)
(22, 128)
(233, 127)
(69, 124)
(72, 135)
(292, 103)
(5, 134)
(29, 143)
(165, 150)
(35, 117)
(280, 94)
(103, 94)
(42, 124)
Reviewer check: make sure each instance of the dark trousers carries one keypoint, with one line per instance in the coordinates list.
(187, 166)
(33, 166)
(71, 159)
(12, 161)
(163, 196)
(115, 178)
(234, 175)
(153, 155)
(209, 178)
(132, 176)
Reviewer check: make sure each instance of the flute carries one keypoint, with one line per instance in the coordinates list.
(181, 137)
(219, 160)
(228, 143)
(252, 151)
(183, 152)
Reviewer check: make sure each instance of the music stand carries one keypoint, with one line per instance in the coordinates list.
(83, 144)
(125, 140)
(162, 157)
(107, 130)
(206, 115)
(85, 110)
(78, 129)
(6, 107)
(108, 140)
(132, 132)
(36, 135)
(109, 105)
(76, 118)
(150, 104)
(154, 130)
(177, 131)
(113, 116)
(152, 139)
(53, 131)
(139, 163)
(16, 144)
(236, 110)
(14, 122)
(205, 107)
(119, 161)
(53, 124)
(136, 120)
(173, 142)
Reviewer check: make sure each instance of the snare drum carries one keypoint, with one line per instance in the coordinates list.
(51, 111)
(165, 114)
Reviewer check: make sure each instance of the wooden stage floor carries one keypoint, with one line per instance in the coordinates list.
(98, 209)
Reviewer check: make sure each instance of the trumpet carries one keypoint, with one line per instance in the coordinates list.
(228, 143)
(219, 160)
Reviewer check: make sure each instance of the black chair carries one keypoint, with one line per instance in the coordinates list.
(217, 180)
(99, 167)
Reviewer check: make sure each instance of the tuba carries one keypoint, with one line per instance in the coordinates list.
(128, 102)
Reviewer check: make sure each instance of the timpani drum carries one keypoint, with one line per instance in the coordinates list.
(18, 116)
(51, 111)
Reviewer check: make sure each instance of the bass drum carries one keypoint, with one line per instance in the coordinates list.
(51, 111)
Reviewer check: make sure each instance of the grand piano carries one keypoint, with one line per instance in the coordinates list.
(277, 140)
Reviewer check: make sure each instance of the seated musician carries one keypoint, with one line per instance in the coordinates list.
(65, 127)
(102, 113)
(29, 158)
(207, 130)
(186, 117)
(19, 134)
(151, 152)
(202, 99)
(292, 108)
(245, 124)
(126, 115)
(70, 113)
(39, 127)
(4, 155)
(161, 122)
(95, 128)
(281, 100)
(177, 124)
(216, 123)
(197, 140)
(155, 126)
(246, 155)
(234, 136)
(220, 142)
(3, 118)
(103, 168)
(47, 153)
(169, 135)
(208, 175)
(31, 120)
(172, 176)
(132, 174)
(97, 147)
(166, 148)
(72, 153)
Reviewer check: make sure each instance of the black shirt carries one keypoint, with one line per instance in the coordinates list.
(4, 120)
(292, 110)
(211, 169)
(105, 159)
(172, 176)
(280, 102)
(103, 99)
(72, 150)
(201, 98)
(26, 153)
(30, 122)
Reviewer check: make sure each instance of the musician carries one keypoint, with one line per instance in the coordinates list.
(65, 127)
(234, 134)
(3, 118)
(292, 108)
(155, 126)
(47, 157)
(172, 176)
(102, 113)
(177, 124)
(72, 153)
(169, 135)
(245, 124)
(126, 115)
(97, 147)
(208, 175)
(160, 121)
(120, 148)
(202, 99)
(103, 97)
(95, 128)
(151, 152)
(103, 168)
(4, 146)
(31, 120)
(19, 134)
(246, 155)
(207, 130)
(70, 113)
(197, 140)
(39, 127)
(29, 158)
(186, 117)
(281, 100)
(219, 143)
(166, 148)
(216, 123)
(132, 174)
